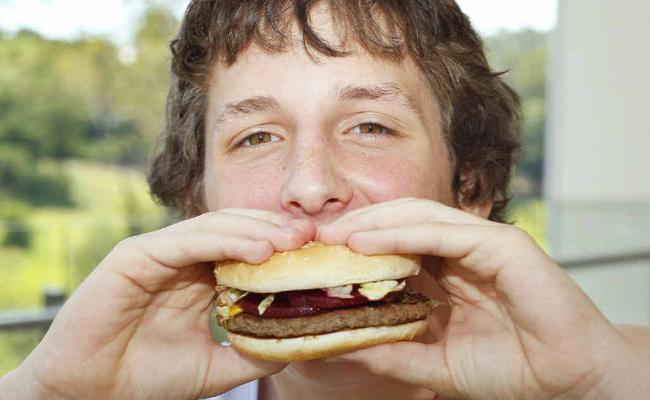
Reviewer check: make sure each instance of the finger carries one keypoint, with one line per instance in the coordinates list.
(304, 225)
(151, 262)
(229, 369)
(424, 209)
(415, 363)
(282, 236)
(393, 214)
(438, 239)
(376, 206)
(265, 215)
(177, 251)
(528, 281)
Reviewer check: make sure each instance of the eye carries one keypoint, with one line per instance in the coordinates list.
(258, 138)
(371, 128)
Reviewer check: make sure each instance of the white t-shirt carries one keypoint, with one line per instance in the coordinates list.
(247, 391)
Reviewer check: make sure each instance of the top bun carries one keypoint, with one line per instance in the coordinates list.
(314, 266)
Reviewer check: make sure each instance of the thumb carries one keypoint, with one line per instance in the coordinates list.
(228, 369)
(411, 362)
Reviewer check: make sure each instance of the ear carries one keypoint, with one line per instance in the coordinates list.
(466, 196)
(482, 209)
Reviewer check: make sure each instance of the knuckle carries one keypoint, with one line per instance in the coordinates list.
(211, 220)
(260, 250)
(230, 213)
(128, 244)
(402, 243)
(513, 234)
(128, 250)
(293, 235)
(265, 246)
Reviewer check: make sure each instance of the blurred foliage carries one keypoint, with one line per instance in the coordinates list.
(522, 54)
(78, 120)
(15, 230)
(532, 215)
(111, 203)
(38, 184)
(78, 99)
(14, 346)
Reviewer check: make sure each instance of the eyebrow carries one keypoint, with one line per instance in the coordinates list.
(389, 92)
(248, 106)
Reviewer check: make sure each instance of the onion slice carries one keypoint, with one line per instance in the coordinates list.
(341, 292)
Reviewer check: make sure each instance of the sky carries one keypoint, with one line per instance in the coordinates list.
(66, 19)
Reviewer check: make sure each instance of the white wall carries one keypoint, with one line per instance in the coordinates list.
(600, 101)
(598, 147)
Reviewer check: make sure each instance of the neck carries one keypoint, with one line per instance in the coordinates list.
(341, 380)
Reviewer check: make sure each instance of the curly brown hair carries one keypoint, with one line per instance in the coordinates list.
(479, 112)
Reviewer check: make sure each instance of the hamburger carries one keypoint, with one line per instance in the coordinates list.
(318, 301)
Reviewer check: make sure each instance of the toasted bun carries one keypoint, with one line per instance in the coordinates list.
(326, 345)
(314, 266)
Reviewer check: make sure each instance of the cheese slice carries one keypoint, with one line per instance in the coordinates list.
(374, 291)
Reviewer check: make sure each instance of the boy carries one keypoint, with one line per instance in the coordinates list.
(378, 125)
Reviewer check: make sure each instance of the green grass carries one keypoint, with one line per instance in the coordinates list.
(67, 243)
(532, 216)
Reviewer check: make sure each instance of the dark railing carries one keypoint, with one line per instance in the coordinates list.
(39, 317)
(608, 259)
(28, 318)
(42, 317)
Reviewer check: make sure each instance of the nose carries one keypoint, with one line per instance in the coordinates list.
(315, 185)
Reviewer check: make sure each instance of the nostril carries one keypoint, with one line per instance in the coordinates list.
(333, 204)
(314, 206)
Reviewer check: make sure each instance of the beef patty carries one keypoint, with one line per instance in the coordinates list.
(402, 308)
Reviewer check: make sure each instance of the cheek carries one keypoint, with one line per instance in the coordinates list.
(239, 187)
(392, 177)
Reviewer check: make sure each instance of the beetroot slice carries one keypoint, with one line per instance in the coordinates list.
(320, 299)
(298, 303)
(280, 308)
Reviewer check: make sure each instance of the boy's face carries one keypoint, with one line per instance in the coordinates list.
(318, 139)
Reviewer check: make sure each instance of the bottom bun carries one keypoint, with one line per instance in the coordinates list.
(319, 346)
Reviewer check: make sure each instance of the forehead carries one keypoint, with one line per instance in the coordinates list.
(257, 68)
(298, 81)
(261, 69)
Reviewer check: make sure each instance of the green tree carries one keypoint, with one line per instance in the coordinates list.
(523, 55)
(144, 86)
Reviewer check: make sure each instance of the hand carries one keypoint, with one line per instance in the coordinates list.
(138, 326)
(519, 327)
